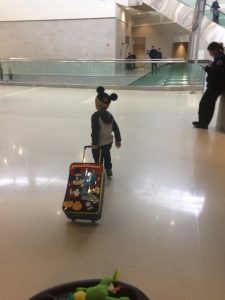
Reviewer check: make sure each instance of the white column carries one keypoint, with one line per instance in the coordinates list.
(196, 33)
(220, 123)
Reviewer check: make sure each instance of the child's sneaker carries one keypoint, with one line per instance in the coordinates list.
(109, 172)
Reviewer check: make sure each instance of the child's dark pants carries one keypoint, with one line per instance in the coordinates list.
(105, 155)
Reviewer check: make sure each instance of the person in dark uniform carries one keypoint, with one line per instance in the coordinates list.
(215, 11)
(153, 54)
(159, 53)
(215, 85)
(131, 57)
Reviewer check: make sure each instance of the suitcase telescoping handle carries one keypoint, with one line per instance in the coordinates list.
(85, 147)
(89, 146)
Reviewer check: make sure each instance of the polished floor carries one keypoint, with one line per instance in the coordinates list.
(163, 221)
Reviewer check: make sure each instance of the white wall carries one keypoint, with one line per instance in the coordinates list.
(73, 29)
(161, 36)
(123, 29)
(59, 39)
(180, 38)
(58, 29)
(12, 10)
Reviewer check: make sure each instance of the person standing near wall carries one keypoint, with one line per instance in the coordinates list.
(153, 54)
(215, 11)
(215, 86)
(159, 53)
(131, 57)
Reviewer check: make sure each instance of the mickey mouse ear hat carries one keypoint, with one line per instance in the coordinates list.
(103, 99)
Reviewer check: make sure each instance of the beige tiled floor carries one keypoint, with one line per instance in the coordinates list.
(163, 219)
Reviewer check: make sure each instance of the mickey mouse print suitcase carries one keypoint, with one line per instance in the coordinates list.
(85, 190)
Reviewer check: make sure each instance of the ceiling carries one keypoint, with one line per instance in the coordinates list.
(140, 10)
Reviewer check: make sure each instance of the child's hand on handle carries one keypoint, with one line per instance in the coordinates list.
(118, 144)
(94, 146)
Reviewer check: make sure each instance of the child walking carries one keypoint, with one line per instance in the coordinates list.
(103, 125)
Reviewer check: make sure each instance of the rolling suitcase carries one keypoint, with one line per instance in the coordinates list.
(85, 190)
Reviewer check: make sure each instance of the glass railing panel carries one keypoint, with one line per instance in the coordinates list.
(208, 11)
(208, 14)
(170, 72)
(190, 3)
(173, 74)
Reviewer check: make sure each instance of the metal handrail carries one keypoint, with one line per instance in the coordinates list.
(18, 59)
(194, 7)
(218, 9)
(39, 73)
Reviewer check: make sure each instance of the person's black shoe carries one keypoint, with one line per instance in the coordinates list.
(199, 125)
